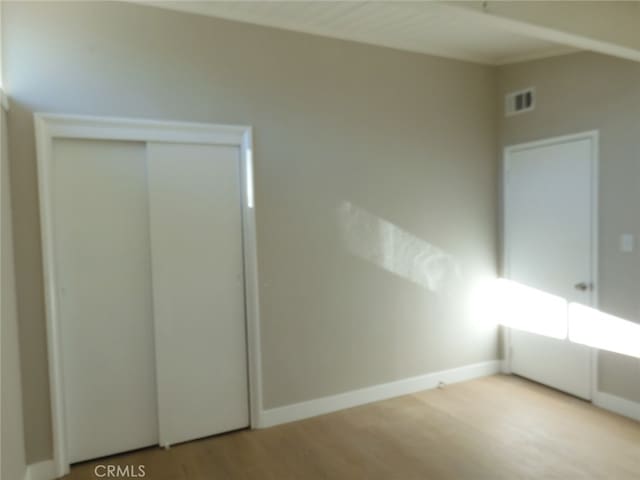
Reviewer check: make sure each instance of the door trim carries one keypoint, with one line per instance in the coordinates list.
(593, 136)
(49, 127)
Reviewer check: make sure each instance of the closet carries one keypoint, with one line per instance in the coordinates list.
(147, 291)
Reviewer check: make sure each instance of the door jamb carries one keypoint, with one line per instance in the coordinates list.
(49, 127)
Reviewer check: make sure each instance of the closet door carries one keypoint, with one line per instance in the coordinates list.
(100, 213)
(198, 289)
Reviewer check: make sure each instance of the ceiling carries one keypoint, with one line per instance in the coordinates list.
(426, 27)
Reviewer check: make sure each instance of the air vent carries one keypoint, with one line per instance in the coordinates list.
(520, 102)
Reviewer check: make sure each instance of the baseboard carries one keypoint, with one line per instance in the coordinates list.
(320, 406)
(45, 470)
(505, 367)
(619, 405)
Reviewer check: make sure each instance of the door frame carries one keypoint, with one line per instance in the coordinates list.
(49, 127)
(594, 137)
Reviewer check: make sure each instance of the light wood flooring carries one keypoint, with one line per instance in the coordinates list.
(494, 428)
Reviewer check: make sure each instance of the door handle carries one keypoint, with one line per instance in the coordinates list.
(582, 286)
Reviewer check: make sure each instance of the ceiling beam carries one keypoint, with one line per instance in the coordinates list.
(609, 27)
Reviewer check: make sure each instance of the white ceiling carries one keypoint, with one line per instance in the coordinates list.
(425, 27)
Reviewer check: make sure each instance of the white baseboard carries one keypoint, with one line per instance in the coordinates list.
(45, 470)
(505, 367)
(320, 406)
(619, 405)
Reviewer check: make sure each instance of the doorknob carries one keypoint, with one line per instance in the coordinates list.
(582, 286)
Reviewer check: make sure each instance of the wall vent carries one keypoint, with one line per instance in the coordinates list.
(520, 101)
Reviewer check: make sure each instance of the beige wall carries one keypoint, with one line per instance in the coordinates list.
(12, 448)
(582, 92)
(12, 453)
(403, 138)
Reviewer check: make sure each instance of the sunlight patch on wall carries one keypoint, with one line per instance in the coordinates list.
(386, 245)
(524, 308)
(484, 301)
(597, 329)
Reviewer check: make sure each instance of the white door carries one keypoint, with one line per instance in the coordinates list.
(198, 289)
(550, 202)
(104, 290)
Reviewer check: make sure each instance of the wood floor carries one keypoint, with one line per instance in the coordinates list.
(493, 428)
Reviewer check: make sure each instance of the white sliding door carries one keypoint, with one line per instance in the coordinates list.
(104, 291)
(146, 237)
(198, 289)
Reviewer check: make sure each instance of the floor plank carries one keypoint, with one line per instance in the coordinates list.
(499, 427)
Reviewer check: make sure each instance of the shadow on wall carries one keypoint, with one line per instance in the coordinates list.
(387, 246)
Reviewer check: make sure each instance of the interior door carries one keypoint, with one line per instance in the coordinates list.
(549, 245)
(198, 289)
(104, 290)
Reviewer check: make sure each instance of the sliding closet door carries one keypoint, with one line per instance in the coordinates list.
(198, 293)
(104, 291)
